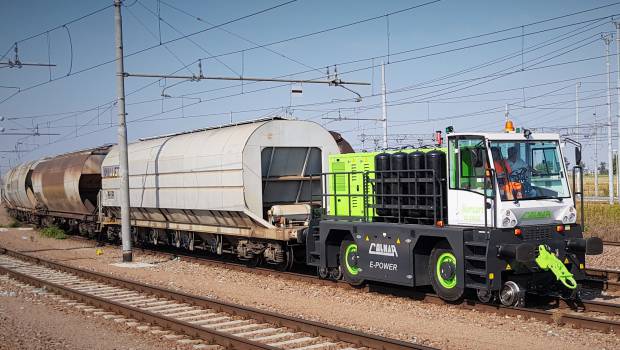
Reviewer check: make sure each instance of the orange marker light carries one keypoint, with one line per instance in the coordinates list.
(518, 232)
(487, 173)
(439, 223)
(559, 228)
(509, 126)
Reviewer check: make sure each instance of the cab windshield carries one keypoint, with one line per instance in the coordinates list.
(529, 170)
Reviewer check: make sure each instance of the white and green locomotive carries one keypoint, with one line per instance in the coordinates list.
(491, 212)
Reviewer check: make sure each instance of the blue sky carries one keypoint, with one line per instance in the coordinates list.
(428, 90)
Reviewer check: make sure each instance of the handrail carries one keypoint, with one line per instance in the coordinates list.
(580, 193)
(489, 175)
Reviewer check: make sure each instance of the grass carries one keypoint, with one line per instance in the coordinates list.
(602, 220)
(53, 232)
(588, 185)
(13, 224)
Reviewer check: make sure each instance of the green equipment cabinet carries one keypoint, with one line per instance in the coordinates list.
(345, 182)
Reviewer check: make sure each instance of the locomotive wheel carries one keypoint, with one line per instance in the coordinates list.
(485, 295)
(348, 263)
(442, 271)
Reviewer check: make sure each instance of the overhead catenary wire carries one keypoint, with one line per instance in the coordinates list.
(430, 46)
(424, 55)
(160, 19)
(276, 52)
(55, 28)
(147, 49)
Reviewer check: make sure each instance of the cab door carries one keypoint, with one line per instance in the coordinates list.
(467, 162)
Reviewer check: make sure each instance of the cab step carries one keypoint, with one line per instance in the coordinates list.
(473, 285)
(476, 257)
(476, 243)
(477, 272)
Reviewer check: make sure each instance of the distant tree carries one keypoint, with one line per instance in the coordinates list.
(602, 168)
(566, 162)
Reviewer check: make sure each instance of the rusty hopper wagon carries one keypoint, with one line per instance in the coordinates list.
(60, 190)
(243, 189)
(17, 192)
(66, 188)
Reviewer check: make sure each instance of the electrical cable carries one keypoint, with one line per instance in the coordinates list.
(71, 46)
(149, 48)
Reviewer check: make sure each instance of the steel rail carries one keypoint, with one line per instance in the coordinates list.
(583, 305)
(609, 275)
(311, 327)
(612, 309)
(602, 284)
(574, 320)
(221, 338)
(611, 243)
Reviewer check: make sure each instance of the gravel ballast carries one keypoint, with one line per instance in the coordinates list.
(443, 326)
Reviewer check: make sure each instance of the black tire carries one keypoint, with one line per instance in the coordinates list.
(443, 277)
(348, 269)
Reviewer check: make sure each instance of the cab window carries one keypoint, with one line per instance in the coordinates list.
(467, 164)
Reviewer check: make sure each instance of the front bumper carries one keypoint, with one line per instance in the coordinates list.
(512, 257)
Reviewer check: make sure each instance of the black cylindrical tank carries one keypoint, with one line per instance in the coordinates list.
(399, 188)
(416, 161)
(382, 188)
(436, 160)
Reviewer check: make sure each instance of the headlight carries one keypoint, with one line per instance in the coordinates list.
(509, 219)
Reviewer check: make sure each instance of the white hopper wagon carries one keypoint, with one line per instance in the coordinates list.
(241, 188)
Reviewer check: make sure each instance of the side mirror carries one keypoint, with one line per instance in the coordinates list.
(577, 156)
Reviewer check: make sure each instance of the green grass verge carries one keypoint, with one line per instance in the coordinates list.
(53, 232)
(13, 224)
(602, 220)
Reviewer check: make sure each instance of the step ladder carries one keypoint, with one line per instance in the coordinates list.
(476, 274)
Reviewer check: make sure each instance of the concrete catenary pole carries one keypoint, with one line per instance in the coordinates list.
(122, 135)
(577, 86)
(610, 174)
(618, 108)
(595, 156)
(384, 107)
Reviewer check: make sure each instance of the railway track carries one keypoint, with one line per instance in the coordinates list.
(611, 243)
(599, 282)
(215, 322)
(596, 310)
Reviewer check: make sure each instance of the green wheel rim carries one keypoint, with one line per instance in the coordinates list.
(351, 249)
(449, 258)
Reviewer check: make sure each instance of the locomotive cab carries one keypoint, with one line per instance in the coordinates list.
(515, 188)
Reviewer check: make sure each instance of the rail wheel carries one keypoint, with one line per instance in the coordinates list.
(323, 272)
(442, 270)
(512, 294)
(349, 263)
(254, 261)
(288, 260)
(485, 295)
